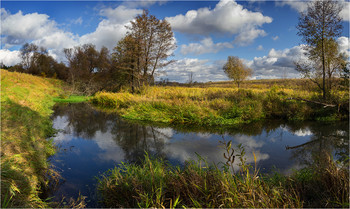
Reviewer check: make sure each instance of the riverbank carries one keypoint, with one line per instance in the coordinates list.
(154, 183)
(222, 106)
(26, 106)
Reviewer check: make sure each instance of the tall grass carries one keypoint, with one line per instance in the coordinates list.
(155, 183)
(26, 103)
(219, 106)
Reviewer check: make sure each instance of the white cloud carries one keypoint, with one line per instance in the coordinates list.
(277, 64)
(31, 27)
(205, 46)
(120, 15)
(43, 31)
(344, 45)
(9, 58)
(227, 17)
(280, 63)
(275, 38)
(301, 6)
(345, 13)
(260, 48)
(203, 70)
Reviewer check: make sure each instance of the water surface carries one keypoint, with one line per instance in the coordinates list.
(91, 142)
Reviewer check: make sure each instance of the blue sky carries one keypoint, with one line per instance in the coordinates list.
(262, 33)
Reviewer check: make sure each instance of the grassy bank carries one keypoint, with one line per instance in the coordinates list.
(221, 106)
(154, 183)
(26, 103)
(71, 99)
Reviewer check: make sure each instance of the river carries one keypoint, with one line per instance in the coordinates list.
(90, 142)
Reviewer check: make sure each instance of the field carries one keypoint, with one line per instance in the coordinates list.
(26, 103)
(217, 106)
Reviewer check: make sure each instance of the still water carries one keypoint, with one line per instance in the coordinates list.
(90, 142)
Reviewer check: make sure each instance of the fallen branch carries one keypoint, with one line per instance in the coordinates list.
(314, 102)
(301, 145)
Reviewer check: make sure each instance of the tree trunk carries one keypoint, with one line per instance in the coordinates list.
(323, 72)
(323, 55)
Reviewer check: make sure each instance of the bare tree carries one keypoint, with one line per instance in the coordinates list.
(318, 27)
(236, 70)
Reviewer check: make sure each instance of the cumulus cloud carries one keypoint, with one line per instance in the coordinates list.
(120, 15)
(227, 17)
(43, 31)
(277, 64)
(9, 58)
(33, 26)
(205, 46)
(301, 6)
(280, 63)
(344, 45)
(203, 70)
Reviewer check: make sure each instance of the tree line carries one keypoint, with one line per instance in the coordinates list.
(133, 62)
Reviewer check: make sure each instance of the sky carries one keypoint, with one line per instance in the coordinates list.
(262, 33)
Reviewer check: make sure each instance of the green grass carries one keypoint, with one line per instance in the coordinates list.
(71, 99)
(155, 183)
(26, 103)
(218, 106)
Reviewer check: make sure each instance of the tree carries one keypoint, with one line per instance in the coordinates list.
(236, 70)
(148, 44)
(37, 61)
(318, 27)
(126, 59)
(87, 67)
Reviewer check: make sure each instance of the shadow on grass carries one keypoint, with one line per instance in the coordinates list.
(23, 155)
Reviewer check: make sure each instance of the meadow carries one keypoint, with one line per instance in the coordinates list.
(218, 104)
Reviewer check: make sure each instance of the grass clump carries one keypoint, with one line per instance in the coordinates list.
(154, 183)
(26, 103)
(71, 99)
(216, 106)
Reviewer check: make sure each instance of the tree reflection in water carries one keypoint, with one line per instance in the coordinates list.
(327, 140)
(134, 139)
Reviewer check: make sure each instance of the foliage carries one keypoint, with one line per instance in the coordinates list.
(318, 27)
(26, 103)
(236, 70)
(145, 48)
(37, 61)
(88, 68)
